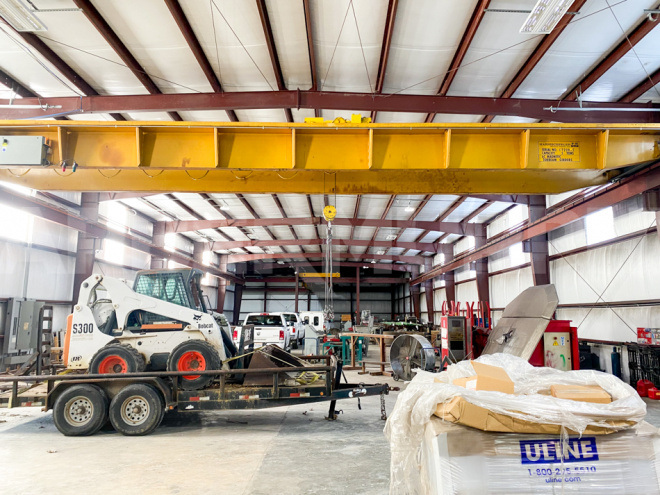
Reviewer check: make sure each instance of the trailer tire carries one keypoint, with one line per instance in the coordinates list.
(116, 358)
(80, 410)
(136, 410)
(194, 355)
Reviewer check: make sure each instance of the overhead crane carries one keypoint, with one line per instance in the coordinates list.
(329, 158)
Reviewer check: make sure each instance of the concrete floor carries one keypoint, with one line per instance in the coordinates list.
(291, 450)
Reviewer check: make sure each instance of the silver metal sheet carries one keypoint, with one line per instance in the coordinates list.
(523, 322)
(535, 302)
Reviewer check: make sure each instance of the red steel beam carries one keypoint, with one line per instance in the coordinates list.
(239, 258)
(310, 50)
(272, 50)
(417, 211)
(615, 193)
(536, 56)
(459, 201)
(612, 58)
(197, 50)
(385, 49)
(641, 88)
(18, 88)
(420, 246)
(340, 280)
(337, 265)
(46, 52)
(278, 203)
(388, 207)
(530, 108)
(104, 29)
(439, 226)
(223, 213)
(468, 36)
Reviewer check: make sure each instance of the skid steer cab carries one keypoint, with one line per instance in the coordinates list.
(161, 324)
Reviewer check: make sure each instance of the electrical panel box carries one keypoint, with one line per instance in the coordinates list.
(21, 325)
(456, 340)
(557, 350)
(23, 150)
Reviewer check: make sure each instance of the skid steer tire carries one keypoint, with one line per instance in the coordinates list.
(136, 410)
(194, 355)
(80, 410)
(116, 358)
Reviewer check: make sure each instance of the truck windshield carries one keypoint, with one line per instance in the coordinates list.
(264, 320)
(290, 318)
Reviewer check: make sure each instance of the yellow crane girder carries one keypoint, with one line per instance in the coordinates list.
(330, 158)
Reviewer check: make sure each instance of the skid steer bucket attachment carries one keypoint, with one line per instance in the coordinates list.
(272, 356)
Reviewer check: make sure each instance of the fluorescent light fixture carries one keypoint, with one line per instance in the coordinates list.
(544, 16)
(380, 252)
(252, 236)
(410, 208)
(391, 237)
(20, 17)
(373, 261)
(280, 262)
(224, 206)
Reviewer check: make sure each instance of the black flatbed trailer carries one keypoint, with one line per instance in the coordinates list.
(81, 402)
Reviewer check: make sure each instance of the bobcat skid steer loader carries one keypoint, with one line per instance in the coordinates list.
(163, 324)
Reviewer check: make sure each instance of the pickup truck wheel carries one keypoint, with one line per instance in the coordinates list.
(80, 410)
(116, 358)
(194, 355)
(136, 410)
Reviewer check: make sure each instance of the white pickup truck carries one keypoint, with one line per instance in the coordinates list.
(295, 325)
(269, 328)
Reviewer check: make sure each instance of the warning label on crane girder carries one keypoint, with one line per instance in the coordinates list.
(558, 152)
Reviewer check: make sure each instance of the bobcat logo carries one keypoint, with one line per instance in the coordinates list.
(197, 318)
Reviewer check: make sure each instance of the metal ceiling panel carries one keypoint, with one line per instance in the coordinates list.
(496, 53)
(581, 46)
(341, 54)
(142, 207)
(261, 115)
(456, 119)
(287, 20)
(23, 63)
(437, 205)
(629, 71)
(464, 209)
(652, 94)
(205, 116)
(243, 63)
(425, 38)
(151, 34)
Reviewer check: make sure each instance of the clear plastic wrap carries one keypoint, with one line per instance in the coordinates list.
(416, 405)
(456, 459)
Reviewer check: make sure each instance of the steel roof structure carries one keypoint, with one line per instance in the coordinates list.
(395, 61)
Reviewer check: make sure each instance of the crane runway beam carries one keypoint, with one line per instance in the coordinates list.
(296, 158)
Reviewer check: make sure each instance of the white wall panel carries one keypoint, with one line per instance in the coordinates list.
(13, 259)
(603, 324)
(507, 286)
(637, 280)
(50, 276)
(52, 235)
(467, 292)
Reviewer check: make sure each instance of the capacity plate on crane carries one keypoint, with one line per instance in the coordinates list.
(558, 152)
